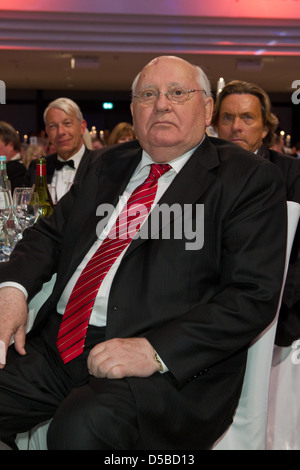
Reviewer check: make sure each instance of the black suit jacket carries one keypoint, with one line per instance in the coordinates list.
(290, 168)
(16, 172)
(199, 309)
(288, 327)
(50, 166)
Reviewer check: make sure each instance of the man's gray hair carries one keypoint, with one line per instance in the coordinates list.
(65, 104)
(203, 81)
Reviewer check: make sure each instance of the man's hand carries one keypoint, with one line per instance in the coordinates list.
(13, 320)
(122, 357)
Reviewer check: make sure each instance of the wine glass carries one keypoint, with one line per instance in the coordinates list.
(5, 206)
(53, 193)
(25, 207)
(5, 210)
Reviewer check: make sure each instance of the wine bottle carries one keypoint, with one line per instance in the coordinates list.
(41, 188)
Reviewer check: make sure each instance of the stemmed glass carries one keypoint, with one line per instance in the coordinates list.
(25, 207)
(5, 210)
(5, 206)
(53, 193)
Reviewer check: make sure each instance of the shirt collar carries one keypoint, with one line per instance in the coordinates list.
(17, 156)
(176, 164)
(76, 157)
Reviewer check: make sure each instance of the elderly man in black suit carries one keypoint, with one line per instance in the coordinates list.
(151, 355)
(242, 114)
(66, 130)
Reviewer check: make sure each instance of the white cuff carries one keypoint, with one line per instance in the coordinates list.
(14, 284)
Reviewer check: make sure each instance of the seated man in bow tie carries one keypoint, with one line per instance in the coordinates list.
(65, 128)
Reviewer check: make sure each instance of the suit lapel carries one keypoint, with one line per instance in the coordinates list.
(187, 187)
(103, 186)
(50, 166)
(109, 183)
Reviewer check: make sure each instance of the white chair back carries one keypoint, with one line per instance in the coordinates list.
(284, 404)
(37, 301)
(35, 440)
(249, 428)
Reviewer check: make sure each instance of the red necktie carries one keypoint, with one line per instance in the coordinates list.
(73, 328)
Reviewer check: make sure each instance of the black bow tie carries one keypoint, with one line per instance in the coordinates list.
(59, 164)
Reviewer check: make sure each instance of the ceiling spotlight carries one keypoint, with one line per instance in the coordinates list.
(84, 62)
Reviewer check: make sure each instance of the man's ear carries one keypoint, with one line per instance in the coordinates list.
(265, 132)
(83, 126)
(209, 107)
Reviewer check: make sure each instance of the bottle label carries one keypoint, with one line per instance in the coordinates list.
(41, 170)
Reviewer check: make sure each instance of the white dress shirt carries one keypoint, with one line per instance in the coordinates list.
(63, 179)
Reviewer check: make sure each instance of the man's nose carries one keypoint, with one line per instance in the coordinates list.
(162, 103)
(60, 129)
(237, 124)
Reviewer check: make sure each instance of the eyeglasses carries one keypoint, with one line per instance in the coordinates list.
(175, 95)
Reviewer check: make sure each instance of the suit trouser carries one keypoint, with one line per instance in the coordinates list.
(88, 413)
